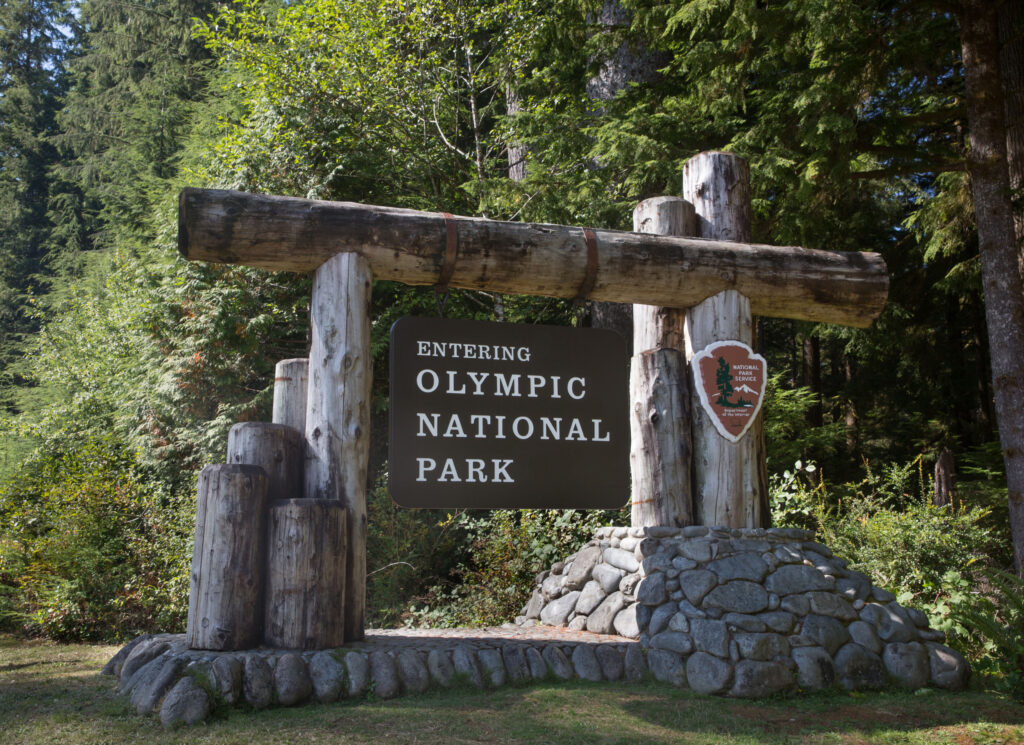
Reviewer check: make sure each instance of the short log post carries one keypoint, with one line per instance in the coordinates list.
(277, 448)
(338, 410)
(228, 561)
(660, 439)
(660, 444)
(305, 599)
(291, 382)
(731, 482)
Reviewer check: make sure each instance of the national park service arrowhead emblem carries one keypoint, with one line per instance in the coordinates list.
(731, 380)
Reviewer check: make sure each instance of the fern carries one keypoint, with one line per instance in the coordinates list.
(996, 625)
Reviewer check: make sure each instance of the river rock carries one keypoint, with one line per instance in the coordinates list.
(757, 679)
(608, 577)
(907, 663)
(608, 657)
(538, 668)
(292, 681)
(696, 584)
(440, 667)
(327, 676)
(708, 674)
(257, 682)
(558, 663)
(467, 665)
(630, 621)
(384, 675)
(557, 611)
(739, 596)
(864, 634)
(582, 566)
(493, 667)
(590, 597)
(761, 646)
(154, 681)
(826, 632)
(948, 669)
(651, 590)
(357, 666)
(667, 667)
(602, 620)
(515, 663)
(792, 579)
(857, 668)
(740, 566)
(710, 636)
(673, 641)
(815, 670)
(660, 618)
(412, 671)
(624, 560)
(585, 663)
(186, 703)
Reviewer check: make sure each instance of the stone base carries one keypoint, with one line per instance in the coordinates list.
(744, 613)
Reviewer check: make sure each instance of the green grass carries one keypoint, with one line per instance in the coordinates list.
(53, 693)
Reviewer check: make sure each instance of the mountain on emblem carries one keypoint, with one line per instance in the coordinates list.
(731, 380)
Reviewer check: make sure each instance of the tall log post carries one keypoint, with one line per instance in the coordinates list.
(660, 442)
(731, 481)
(291, 383)
(338, 410)
(277, 448)
(660, 446)
(228, 558)
(305, 598)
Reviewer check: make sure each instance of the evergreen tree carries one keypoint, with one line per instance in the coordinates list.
(32, 49)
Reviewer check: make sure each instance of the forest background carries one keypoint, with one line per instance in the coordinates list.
(122, 367)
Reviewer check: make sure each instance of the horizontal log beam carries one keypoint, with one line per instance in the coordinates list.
(298, 235)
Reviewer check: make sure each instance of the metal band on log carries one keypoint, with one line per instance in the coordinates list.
(228, 559)
(289, 234)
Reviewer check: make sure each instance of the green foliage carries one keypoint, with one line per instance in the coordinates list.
(505, 551)
(994, 626)
(88, 548)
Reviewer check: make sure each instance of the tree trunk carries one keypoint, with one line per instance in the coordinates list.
(228, 561)
(305, 600)
(338, 410)
(291, 386)
(277, 448)
(661, 449)
(1011, 63)
(731, 480)
(944, 492)
(812, 378)
(1001, 278)
(516, 152)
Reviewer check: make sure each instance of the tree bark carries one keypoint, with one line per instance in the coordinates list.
(812, 378)
(228, 560)
(1011, 63)
(291, 386)
(944, 492)
(730, 478)
(305, 599)
(1001, 278)
(338, 410)
(277, 448)
(284, 233)
(660, 445)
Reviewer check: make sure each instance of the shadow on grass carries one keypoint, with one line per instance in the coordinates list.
(54, 693)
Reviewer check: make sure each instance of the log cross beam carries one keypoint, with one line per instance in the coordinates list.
(409, 246)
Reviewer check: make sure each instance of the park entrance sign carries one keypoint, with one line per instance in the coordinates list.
(504, 415)
(694, 278)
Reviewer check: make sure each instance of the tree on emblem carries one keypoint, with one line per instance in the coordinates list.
(723, 379)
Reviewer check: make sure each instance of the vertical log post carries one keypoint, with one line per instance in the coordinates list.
(291, 382)
(338, 410)
(731, 482)
(277, 448)
(228, 559)
(660, 442)
(305, 601)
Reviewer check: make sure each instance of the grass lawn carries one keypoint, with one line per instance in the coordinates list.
(53, 693)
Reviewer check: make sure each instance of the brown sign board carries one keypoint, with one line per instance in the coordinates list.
(731, 381)
(496, 415)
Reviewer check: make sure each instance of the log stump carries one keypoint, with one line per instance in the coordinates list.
(291, 381)
(305, 599)
(277, 448)
(228, 558)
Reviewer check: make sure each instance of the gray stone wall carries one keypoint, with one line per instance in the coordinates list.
(743, 612)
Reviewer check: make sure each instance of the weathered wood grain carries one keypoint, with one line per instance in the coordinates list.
(291, 382)
(290, 234)
(228, 558)
(305, 597)
(338, 410)
(730, 480)
(277, 448)
(661, 450)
